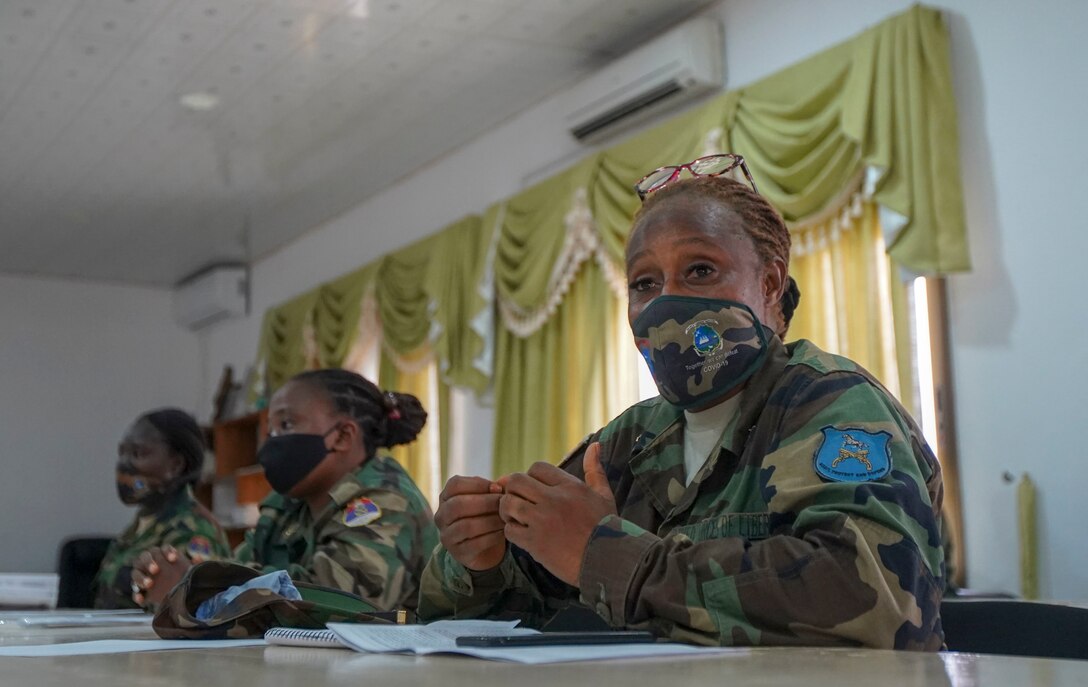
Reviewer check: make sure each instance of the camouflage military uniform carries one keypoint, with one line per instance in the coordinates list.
(759, 549)
(372, 539)
(182, 523)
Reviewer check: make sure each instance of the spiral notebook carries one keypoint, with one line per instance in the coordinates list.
(290, 636)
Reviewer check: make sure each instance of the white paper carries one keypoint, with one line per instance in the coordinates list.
(421, 639)
(123, 646)
(441, 637)
(590, 652)
(85, 619)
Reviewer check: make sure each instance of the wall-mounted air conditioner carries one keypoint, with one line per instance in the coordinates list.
(212, 294)
(679, 65)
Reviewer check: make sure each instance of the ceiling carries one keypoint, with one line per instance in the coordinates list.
(105, 174)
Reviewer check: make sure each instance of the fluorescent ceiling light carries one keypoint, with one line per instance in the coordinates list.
(199, 101)
(360, 9)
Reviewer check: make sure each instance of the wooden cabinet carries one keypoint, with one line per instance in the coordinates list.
(239, 483)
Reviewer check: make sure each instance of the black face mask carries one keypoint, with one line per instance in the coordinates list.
(288, 458)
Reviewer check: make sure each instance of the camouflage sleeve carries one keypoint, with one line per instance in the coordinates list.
(243, 553)
(377, 559)
(198, 538)
(113, 583)
(518, 588)
(846, 563)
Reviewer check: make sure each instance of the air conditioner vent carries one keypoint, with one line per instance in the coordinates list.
(215, 293)
(627, 109)
(672, 69)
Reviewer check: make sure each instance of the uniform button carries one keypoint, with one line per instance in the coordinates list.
(460, 586)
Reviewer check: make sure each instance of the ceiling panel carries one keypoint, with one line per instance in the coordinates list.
(45, 16)
(321, 103)
(465, 16)
(216, 15)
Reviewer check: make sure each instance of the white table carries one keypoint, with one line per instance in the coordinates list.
(304, 667)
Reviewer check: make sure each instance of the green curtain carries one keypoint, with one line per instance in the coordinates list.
(882, 100)
(426, 459)
(531, 258)
(874, 115)
(552, 388)
(402, 298)
(283, 347)
(337, 312)
(459, 308)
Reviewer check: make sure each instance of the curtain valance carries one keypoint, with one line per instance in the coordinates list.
(873, 117)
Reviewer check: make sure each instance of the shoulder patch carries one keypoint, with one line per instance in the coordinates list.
(199, 546)
(852, 455)
(361, 511)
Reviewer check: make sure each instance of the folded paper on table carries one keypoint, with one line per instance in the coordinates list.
(441, 637)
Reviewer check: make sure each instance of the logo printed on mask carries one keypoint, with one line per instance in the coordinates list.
(133, 488)
(361, 511)
(705, 340)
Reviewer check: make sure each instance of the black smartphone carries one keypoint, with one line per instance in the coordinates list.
(559, 639)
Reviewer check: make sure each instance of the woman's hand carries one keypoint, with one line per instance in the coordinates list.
(155, 572)
(468, 522)
(552, 514)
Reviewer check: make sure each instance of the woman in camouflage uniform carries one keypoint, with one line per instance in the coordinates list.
(772, 494)
(159, 459)
(343, 514)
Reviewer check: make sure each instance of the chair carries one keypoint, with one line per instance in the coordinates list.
(1015, 628)
(77, 564)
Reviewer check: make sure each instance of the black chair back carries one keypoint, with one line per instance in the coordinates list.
(77, 564)
(1015, 628)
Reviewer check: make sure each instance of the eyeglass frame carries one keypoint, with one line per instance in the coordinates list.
(738, 161)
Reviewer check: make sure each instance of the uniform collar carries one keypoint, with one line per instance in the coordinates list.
(755, 396)
(661, 471)
(343, 492)
(180, 501)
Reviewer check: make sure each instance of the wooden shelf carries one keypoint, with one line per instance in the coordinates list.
(236, 442)
(237, 475)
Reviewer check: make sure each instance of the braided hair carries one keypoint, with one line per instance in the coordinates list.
(386, 419)
(761, 222)
(184, 437)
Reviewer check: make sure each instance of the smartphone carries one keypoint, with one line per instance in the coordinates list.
(559, 639)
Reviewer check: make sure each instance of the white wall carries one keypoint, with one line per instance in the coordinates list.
(78, 362)
(1017, 72)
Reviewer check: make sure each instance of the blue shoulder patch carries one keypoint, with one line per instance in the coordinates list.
(853, 455)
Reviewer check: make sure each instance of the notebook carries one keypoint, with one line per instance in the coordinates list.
(290, 636)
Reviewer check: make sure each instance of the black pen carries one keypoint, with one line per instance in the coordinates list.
(558, 639)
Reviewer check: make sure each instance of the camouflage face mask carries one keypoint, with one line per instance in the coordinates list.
(134, 488)
(699, 349)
